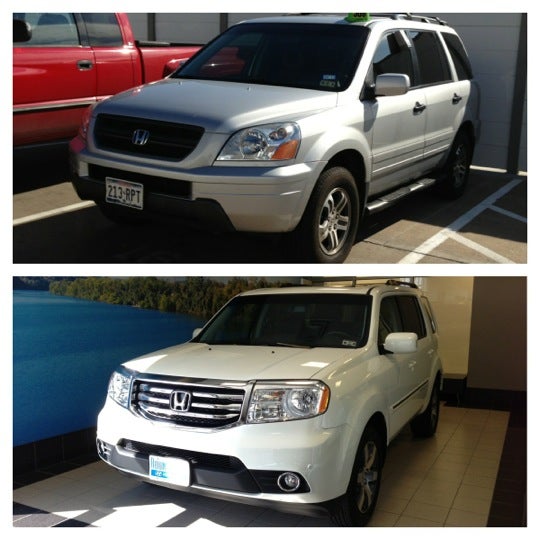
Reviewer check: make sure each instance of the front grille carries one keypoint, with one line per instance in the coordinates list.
(165, 140)
(201, 459)
(187, 404)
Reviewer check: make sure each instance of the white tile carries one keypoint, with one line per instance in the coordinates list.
(130, 517)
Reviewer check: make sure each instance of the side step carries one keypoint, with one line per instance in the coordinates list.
(391, 198)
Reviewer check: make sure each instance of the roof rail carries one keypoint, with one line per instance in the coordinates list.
(322, 280)
(354, 281)
(412, 17)
(397, 283)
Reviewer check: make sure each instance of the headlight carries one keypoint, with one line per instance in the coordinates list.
(263, 143)
(282, 401)
(120, 387)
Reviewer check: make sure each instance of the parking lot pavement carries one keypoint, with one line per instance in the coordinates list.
(487, 225)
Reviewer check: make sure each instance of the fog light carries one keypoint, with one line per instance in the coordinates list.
(288, 482)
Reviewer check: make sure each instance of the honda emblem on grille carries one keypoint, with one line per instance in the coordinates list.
(140, 137)
(180, 401)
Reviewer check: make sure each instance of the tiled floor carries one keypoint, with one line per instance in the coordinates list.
(448, 480)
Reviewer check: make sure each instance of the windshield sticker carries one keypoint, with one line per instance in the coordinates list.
(328, 83)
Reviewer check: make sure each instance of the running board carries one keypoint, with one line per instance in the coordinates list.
(391, 198)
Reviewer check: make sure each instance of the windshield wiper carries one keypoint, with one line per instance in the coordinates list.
(293, 345)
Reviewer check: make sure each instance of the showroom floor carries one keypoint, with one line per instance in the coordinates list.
(448, 480)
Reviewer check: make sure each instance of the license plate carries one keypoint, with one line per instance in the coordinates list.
(173, 470)
(124, 193)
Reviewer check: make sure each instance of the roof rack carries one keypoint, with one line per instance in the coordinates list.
(397, 283)
(361, 280)
(411, 17)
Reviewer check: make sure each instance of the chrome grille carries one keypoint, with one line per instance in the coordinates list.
(187, 404)
(164, 140)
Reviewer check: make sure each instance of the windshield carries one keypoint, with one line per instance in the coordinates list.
(291, 320)
(314, 56)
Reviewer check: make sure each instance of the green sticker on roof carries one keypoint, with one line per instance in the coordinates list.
(357, 17)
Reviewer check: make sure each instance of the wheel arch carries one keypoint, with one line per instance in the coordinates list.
(354, 162)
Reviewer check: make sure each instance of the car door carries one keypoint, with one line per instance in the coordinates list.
(53, 79)
(402, 313)
(398, 122)
(444, 96)
(118, 65)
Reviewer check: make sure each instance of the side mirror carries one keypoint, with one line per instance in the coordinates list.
(196, 332)
(392, 84)
(22, 31)
(401, 342)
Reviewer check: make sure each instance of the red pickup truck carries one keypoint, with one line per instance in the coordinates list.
(63, 62)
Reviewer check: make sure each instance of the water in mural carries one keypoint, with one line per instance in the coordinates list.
(64, 350)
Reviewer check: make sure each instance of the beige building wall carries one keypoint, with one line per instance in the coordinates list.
(451, 299)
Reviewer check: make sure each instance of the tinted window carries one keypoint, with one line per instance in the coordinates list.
(393, 56)
(103, 29)
(411, 315)
(459, 56)
(50, 29)
(400, 313)
(432, 62)
(389, 318)
(313, 56)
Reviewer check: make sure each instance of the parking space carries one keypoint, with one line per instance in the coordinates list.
(51, 225)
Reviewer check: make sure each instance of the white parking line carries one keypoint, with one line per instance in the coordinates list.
(52, 213)
(436, 240)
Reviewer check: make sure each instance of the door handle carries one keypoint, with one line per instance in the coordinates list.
(84, 65)
(419, 107)
(456, 99)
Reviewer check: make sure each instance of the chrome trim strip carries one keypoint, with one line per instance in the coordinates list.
(410, 394)
(53, 106)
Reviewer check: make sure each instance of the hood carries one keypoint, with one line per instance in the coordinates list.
(219, 107)
(237, 362)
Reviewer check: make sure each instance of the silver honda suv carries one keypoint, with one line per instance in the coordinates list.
(289, 124)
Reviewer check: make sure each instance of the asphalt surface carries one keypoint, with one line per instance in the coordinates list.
(51, 225)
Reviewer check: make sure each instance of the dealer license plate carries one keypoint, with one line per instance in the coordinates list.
(173, 470)
(124, 193)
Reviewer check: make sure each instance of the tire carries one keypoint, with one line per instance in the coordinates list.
(425, 424)
(328, 228)
(356, 507)
(455, 173)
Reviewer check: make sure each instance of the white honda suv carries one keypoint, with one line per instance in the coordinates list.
(287, 398)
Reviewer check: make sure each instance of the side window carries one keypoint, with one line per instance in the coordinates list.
(429, 311)
(50, 29)
(432, 61)
(389, 318)
(393, 56)
(411, 315)
(459, 56)
(400, 313)
(103, 30)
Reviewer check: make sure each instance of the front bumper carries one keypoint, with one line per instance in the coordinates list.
(242, 463)
(241, 198)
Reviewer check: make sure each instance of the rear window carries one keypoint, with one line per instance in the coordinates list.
(459, 56)
(103, 29)
(303, 55)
